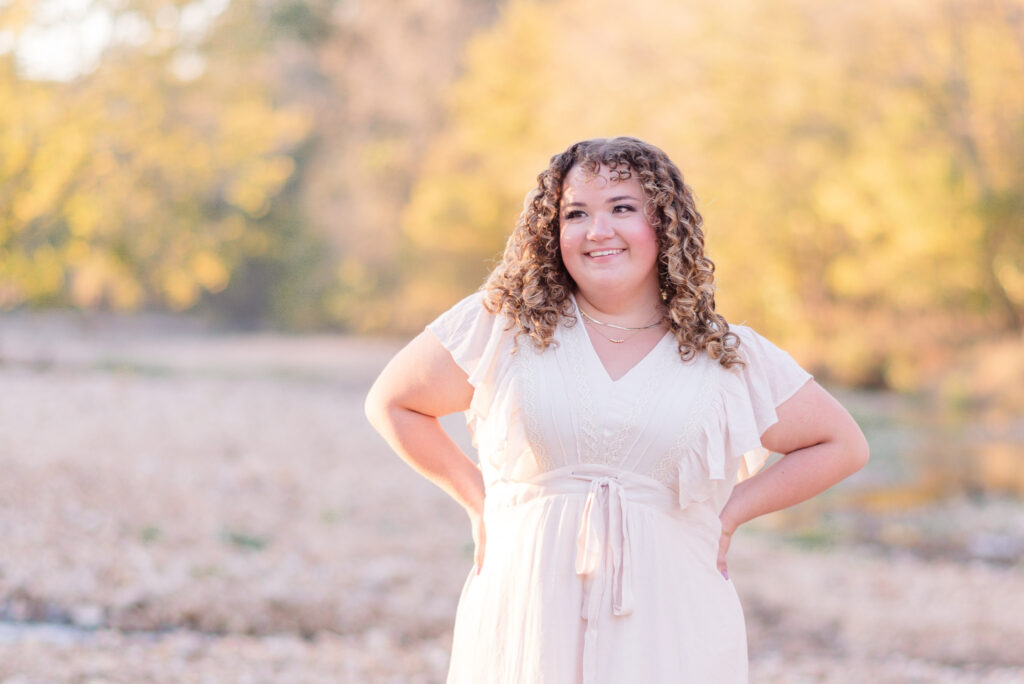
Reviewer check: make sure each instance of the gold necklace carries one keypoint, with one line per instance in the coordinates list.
(618, 327)
(613, 340)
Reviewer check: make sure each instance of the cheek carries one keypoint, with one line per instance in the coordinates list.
(649, 240)
(568, 241)
(569, 253)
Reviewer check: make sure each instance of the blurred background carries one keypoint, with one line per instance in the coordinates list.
(218, 219)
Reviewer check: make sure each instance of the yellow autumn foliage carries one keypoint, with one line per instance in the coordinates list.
(859, 203)
(858, 165)
(128, 187)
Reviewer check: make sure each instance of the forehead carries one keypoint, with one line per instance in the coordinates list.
(581, 182)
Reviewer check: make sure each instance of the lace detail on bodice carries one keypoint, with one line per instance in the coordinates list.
(666, 470)
(526, 369)
(588, 433)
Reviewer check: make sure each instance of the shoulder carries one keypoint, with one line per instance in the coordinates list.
(470, 305)
(471, 333)
(768, 369)
(745, 333)
(755, 348)
(466, 315)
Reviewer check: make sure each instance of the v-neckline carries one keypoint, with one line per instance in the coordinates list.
(596, 358)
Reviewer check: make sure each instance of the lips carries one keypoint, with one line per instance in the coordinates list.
(604, 252)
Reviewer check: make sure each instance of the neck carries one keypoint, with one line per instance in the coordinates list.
(632, 312)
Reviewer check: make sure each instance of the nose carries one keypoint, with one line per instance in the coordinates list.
(600, 227)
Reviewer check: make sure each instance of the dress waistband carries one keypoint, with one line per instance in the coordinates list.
(576, 480)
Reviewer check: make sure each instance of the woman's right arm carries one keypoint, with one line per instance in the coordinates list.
(421, 383)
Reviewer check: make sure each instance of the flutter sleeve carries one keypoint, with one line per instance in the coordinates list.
(769, 377)
(727, 444)
(475, 338)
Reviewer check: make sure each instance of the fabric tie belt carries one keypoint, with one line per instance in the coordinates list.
(604, 529)
(603, 550)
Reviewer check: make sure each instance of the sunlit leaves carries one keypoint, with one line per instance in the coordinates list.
(859, 165)
(253, 187)
(128, 187)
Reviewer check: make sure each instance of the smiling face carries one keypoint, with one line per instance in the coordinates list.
(608, 246)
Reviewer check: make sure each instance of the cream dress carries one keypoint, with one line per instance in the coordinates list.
(602, 505)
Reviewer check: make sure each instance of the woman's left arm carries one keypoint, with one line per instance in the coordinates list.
(822, 445)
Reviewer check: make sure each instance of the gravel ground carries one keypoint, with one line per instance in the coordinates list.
(179, 505)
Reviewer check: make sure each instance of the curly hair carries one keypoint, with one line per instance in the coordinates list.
(531, 286)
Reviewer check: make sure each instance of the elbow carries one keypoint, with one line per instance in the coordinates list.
(376, 407)
(384, 408)
(859, 451)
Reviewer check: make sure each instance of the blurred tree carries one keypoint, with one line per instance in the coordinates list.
(308, 161)
(250, 158)
(151, 178)
(859, 164)
(381, 90)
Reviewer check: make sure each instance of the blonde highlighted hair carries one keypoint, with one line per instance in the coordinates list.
(531, 286)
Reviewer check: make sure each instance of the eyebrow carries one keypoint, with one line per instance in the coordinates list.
(610, 200)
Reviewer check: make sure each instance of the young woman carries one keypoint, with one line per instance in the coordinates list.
(614, 411)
